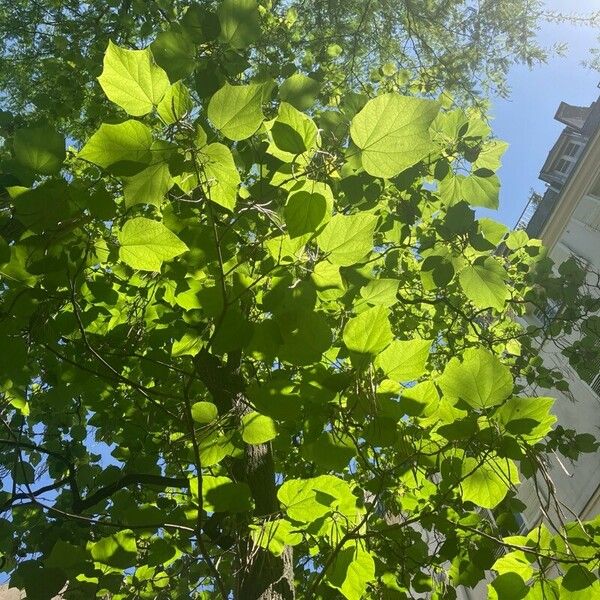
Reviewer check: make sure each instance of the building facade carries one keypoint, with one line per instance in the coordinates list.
(567, 220)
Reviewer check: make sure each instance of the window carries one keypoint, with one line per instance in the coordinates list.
(591, 376)
(572, 149)
(562, 165)
(546, 314)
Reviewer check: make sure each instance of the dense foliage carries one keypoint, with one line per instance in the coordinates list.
(50, 51)
(256, 344)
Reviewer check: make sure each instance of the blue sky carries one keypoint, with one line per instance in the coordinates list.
(525, 120)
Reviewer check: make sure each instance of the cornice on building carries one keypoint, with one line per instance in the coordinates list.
(565, 190)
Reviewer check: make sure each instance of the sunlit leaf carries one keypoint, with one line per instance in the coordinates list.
(146, 244)
(132, 80)
(393, 133)
(236, 110)
(480, 379)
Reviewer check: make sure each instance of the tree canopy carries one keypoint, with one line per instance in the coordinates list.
(50, 51)
(256, 344)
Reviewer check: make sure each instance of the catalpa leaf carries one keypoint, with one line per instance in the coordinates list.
(257, 428)
(486, 482)
(276, 535)
(352, 569)
(221, 494)
(480, 379)
(530, 418)
(40, 149)
(236, 110)
(304, 212)
(380, 292)
(347, 239)
(176, 103)
(175, 52)
(481, 190)
(123, 148)
(484, 283)
(292, 133)
(118, 550)
(393, 133)
(404, 360)
(300, 91)
(370, 332)
(146, 244)
(204, 412)
(306, 500)
(132, 80)
(240, 22)
(148, 186)
(221, 178)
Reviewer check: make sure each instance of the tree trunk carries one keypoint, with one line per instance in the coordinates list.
(264, 576)
(261, 576)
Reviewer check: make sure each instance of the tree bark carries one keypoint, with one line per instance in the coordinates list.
(262, 575)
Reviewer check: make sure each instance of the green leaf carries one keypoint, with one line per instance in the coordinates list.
(236, 110)
(393, 133)
(188, 345)
(332, 452)
(221, 494)
(175, 52)
(65, 556)
(176, 103)
(146, 244)
(490, 155)
(509, 586)
(481, 190)
(306, 500)
(23, 473)
(149, 186)
(305, 335)
(300, 91)
(347, 239)
(214, 447)
(529, 418)
(380, 292)
(234, 331)
(276, 535)
(118, 550)
(370, 332)
(4, 251)
(493, 231)
(132, 80)
(276, 398)
(484, 283)
(221, 177)
(40, 149)
(200, 23)
(304, 212)
(240, 22)
(515, 562)
(352, 569)
(122, 148)
(326, 276)
(292, 133)
(481, 380)
(404, 360)
(204, 412)
(579, 583)
(257, 428)
(516, 239)
(486, 482)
